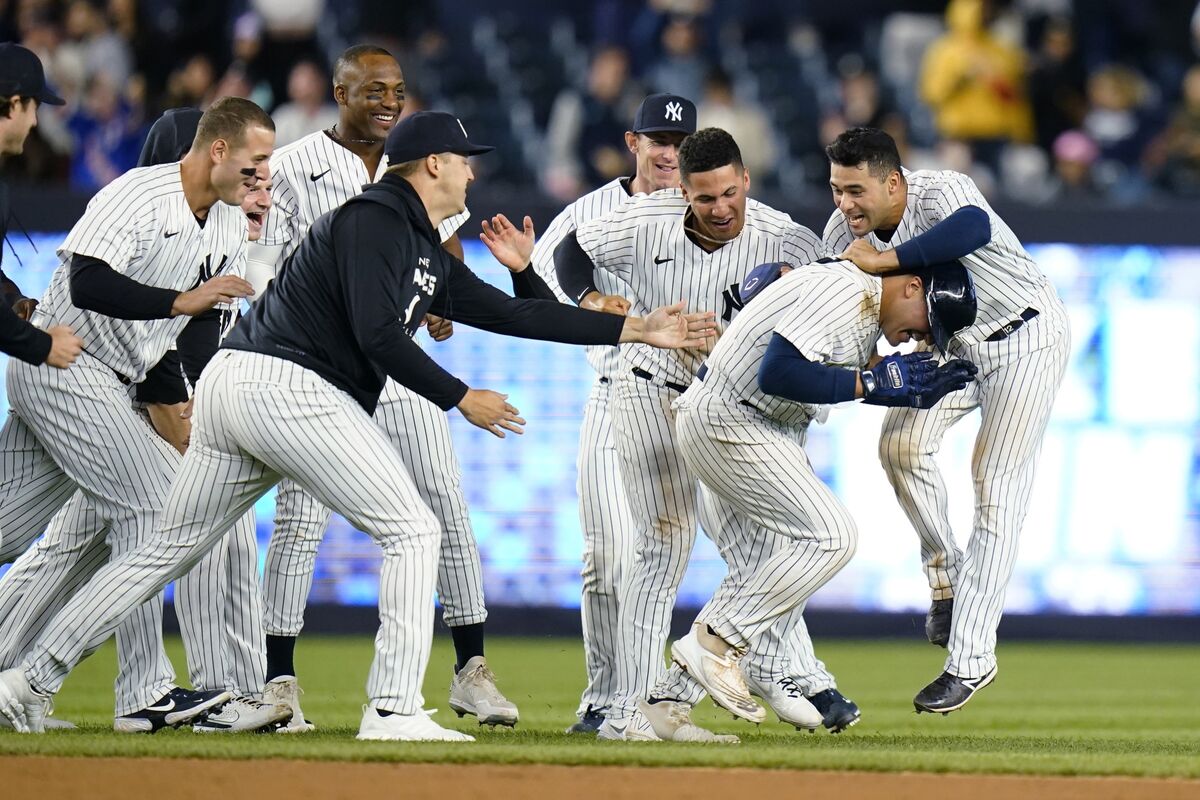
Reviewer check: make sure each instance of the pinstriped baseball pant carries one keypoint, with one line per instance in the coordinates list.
(1018, 379)
(608, 538)
(76, 430)
(257, 419)
(420, 432)
(662, 491)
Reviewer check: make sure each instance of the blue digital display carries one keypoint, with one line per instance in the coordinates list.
(1112, 528)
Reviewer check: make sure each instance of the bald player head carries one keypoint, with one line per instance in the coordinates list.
(368, 86)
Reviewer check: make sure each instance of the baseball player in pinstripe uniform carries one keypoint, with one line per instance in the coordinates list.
(292, 393)
(219, 602)
(153, 249)
(889, 217)
(608, 528)
(313, 176)
(696, 244)
(806, 342)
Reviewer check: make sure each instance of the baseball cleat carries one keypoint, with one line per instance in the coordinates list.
(837, 711)
(589, 722)
(405, 728)
(243, 715)
(937, 621)
(613, 729)
(473, 691)
(177, 707)
(782, 694)
(285, 690)
(24, 708)
(949, 692)
(671, 721)
(718, 674)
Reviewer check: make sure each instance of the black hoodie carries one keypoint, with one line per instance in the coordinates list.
(347, 303)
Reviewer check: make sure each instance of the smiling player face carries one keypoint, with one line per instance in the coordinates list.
(255, 207)
(370, 98)
(718, 201)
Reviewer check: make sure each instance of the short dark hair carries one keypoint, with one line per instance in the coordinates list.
(228, 118)
(856, 145)
(6, 106)
(352, 55)
(708, 149)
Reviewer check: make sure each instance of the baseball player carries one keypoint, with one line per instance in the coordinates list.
(152, 249)
(313, 176)
(696, 244)
(889, 217)
(807, 342)
(291, 394)
(22, 89)
(659, 125)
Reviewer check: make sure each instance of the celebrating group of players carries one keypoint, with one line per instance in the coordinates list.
(145, 423)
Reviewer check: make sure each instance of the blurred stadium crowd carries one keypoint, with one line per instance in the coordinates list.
(1039, 100)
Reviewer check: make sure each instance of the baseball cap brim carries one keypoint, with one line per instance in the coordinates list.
(473, 149)
(49, 98)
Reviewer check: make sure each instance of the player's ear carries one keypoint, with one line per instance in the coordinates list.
(218, 150)
(745, 179)
(631, 142)
(339, 94)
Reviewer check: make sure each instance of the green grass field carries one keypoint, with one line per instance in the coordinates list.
(1054, 709)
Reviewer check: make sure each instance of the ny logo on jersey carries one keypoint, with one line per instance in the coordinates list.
(674, 112)
(206, 270)
(733, 302)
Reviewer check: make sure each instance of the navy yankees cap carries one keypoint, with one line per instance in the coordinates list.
(426, 133)
(665, 112)
(21, 74)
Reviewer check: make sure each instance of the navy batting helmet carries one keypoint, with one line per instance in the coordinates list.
(950, 298)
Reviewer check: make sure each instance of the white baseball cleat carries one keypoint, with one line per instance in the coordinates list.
(285, 691)
(473, 691)
(405, 728)
(786, 699)
(640, 729)
(243, 715)
(671, 721)
(719, 674)
(613, 729)
(25, 709)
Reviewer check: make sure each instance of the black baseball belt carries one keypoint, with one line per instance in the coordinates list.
(1011, 328)
(638, 372)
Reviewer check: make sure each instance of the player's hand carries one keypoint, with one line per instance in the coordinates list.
(669, 328)
(173, 422)
(24, 307)
(439, 329)
(608, 303)
(899, 380)
(868, 259)
(65, 346)
(213, 292)
(490, 410)
(952, 376)
(513, 248)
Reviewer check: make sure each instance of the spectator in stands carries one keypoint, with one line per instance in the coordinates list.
(586, 129)
(100, 48)
(746, 122)
(861, 103)
(1057, 83)
(1176, 155)
(108, 135)
(289, 34)
(1121, 120)
(1074, 154)
(192, 84)
(308, 108)
(975, 84)
(682, 65)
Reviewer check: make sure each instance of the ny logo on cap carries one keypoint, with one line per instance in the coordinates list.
(674, 112)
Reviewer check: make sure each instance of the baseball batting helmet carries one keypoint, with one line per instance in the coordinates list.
(950, 298)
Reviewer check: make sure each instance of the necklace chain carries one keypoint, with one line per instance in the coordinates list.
(334, 133)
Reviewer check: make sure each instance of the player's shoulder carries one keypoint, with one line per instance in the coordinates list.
(835, 275)
(924, 181)
(140, 194)
(665, 207)
(598, 202)
(294, 157)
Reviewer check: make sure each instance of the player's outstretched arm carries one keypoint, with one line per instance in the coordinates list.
(491, 411)
(511, 247)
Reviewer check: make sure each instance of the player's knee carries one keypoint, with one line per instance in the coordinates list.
(897, 452)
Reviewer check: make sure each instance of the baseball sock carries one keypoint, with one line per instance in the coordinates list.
(280, 652)
(468, 643)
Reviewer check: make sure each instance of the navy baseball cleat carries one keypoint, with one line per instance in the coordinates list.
(949, 692)
(177, 707)
(589, 723)
(937, 622)
(837, 711)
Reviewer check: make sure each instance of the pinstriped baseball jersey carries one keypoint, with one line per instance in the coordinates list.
(1007, 280)
(644, 243)
(604, 360)
(313, 176)
(141, 226)
(829, 312)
